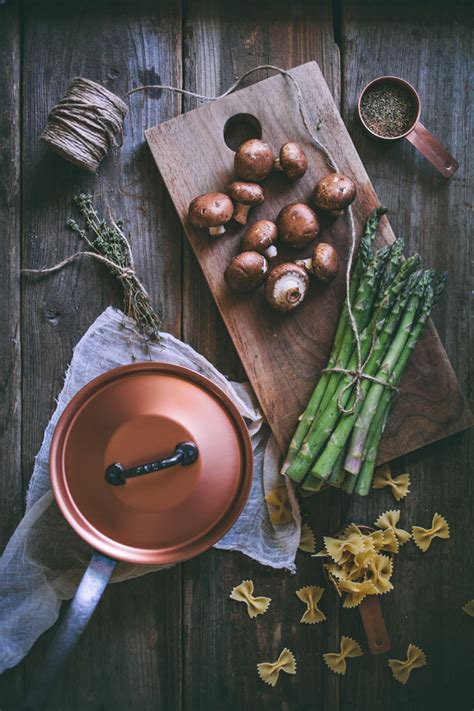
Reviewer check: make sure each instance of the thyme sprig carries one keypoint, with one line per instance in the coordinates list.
(108, 240)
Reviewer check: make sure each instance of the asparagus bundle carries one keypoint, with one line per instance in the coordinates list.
(338, 435)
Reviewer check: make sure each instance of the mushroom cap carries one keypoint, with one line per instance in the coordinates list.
(297, 225)
(334, 192)
(293, 160)
(253, 160)
(325, 262)
(260, 236)
(246, 271)
(210, 210)
(246, 193)
(286, 286)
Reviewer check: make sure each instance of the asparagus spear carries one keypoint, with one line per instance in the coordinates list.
(325, 462)
(376, 428)
(363, 258)
(392, 307)
(370, 407)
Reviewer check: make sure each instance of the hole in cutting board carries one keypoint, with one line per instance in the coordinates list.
(240, 128)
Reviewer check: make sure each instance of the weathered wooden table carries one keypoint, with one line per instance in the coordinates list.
(173, 640)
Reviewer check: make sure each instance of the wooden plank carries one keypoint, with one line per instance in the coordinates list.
(11, 493)
(221, 644)
(132, 649)
(283, 353)
(433, 51)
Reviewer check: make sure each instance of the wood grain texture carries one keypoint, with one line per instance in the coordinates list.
(283, 354)
(222, 646)
(433, 215)
(129, 45)
(11, 491)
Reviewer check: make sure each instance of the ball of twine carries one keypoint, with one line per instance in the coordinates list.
(85, 123)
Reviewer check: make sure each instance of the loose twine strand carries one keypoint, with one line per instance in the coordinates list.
(89, 120)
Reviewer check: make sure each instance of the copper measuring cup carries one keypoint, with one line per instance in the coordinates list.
(417, 134)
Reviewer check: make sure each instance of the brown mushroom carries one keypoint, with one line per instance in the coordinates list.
(211, 210)
(245, 196)
(286, 286)
(261, 237)
(246, 271)
(323, 263)
(292, 160)
(253, 160)
(334, 193)
(297, 225)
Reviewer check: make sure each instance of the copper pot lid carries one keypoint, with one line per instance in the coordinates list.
(138, 414)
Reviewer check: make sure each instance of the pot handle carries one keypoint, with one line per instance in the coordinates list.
(73, 624)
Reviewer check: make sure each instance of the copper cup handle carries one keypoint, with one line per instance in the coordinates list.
(374, 625)
(432, 149)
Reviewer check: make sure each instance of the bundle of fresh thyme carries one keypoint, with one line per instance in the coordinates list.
(109, 245)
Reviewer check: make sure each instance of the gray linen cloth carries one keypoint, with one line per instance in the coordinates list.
(44, 560)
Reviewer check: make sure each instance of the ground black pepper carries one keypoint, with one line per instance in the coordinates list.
(388, 109)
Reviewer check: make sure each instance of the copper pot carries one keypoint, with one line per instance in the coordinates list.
(150, 463)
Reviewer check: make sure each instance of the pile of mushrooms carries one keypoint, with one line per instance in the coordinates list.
(296, 226)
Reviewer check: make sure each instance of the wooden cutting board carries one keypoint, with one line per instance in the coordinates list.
(283, 354)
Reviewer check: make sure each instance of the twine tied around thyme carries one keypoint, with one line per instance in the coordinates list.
(89, 119)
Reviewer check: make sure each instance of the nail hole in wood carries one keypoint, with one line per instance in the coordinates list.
(240, 128)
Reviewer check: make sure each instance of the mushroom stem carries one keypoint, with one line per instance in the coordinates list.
(241, 213)
(270, 252)
(305, 263)
(215, 231)
(288, 289)
(277, 165)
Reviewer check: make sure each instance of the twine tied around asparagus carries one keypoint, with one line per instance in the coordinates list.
(84, 124)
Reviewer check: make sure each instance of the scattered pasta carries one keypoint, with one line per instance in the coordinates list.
(400, 485)
(337, 661)
(311, 595)
(357, 567)
(468, 608)
(424, 536)
(402, 670)
(307, 540)
(270, 671)
(244, 593)
(389, 520)
(280, 507)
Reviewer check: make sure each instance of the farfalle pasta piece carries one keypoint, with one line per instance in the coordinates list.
(389, 520)
(356, 591)
(244, 593)
(400, 485)
(280, 507)
(307, 540)
(424, 536)
(380, 571)
(270, 671)
(341, 549)
(402, 670)
(468, 608)
(311, 595)
(390, 541)
(337, 661)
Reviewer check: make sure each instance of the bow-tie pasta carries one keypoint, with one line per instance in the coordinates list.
(424, 536)
(400, 485)
(279, 504)
(270, 671)
(307, 540)
(311, 595)
(337, 661)
(402, 670)
(244, 593)
(468, 608)
(389, 520)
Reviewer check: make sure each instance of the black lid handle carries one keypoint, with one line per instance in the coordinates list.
(185, 453)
